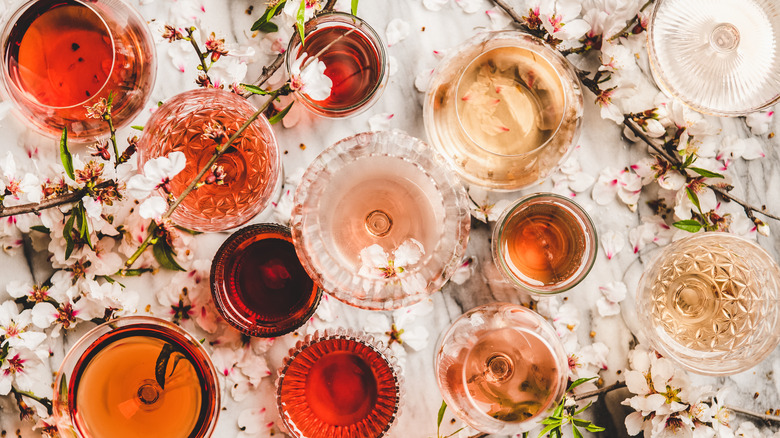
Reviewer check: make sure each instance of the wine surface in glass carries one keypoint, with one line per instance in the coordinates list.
(380, 200)
(61, 53)
(339, 387)
(351, 62)
(511, 375)
(543, 244)
(267, 282)
(115, 393)
(510, 101)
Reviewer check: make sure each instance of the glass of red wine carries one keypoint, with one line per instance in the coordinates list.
(137, 376)
(338, 384)
(258, 283)
(355, 60)
(61, 56)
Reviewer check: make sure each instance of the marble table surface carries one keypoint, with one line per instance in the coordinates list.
(601, 145)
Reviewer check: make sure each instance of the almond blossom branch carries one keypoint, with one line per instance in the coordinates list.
(42, 400)
(511, 12)
(723, 192)
(631, 25)
(56, 201)
(202, 58)
(600, 391)
(765, 417)
(193, 184)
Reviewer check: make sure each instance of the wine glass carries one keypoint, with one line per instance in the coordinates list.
(501, 367)
(504, 109)
(339, 383)
(252, 164)
(136, 376)
(717, 56)
(355, 60)
(544, 243)
(379, 221)
(711, 302)
(61, 56)
(258, 283)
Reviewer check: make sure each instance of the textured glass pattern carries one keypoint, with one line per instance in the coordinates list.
(717, 56)
(252, 164)
(710, 301)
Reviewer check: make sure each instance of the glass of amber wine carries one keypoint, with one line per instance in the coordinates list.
(252, 164)
(501, 367)
(544, 243)
(339, 383)
(60, 56)
(136, 376)
(363, 203)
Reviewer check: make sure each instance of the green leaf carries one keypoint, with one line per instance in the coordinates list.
(187, 230)
(280, 115)
(580, 422)
(255, 89)
(66, 234)
(40, 229)
(694, 198)
(268, 27)
(134, 272)
(300, 20)
(162, 364)
(582, 409)
(706, 173)
(440, 417)
(65, 156)
(63, 388)
(579, 382)
(551, 420)
(354, 7)
(690, 225)
(576, 432)
(84, 227)
(548, 429)
(593, 428)
(165, 256)
(269, 13)
(138, 127)
(559, 409)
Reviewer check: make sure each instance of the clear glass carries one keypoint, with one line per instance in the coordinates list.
(387, 189)
(108, 384)
(339, 384)
(501, 367)
(60, 56)
(504, 109)
(717, 56)
(355, 60)
(544, 243)
(258, 283)
(711, 302)
(252, 165)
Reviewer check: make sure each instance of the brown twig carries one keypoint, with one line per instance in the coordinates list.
(765, 417)
(56, 201)
(749, 209)
(201, 57)
(629, 29)
(600, 391)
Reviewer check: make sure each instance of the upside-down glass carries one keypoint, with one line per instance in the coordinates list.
(339, 384)
(258, 283)
(60, 56)
(136, 377)
(355, 60)
(501, 367)
(544, 243)
(364, 207)
(719, 57)
(504, 109)
(711, 302)
(252, 165)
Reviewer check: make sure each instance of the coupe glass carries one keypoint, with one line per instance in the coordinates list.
(252, 165)
(339, 384)
(60, 56)
(379, 221)
(501, 367)
(717, 56)
(258, 283)
(136, 376)
(504, 109)
(544, 243)
(355, 60)
(710, 302)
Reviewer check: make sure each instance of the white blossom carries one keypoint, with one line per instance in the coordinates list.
(483, 208)
(759, 122)
(16, 327)
(158, 172)
(25, 370)
(612, 294)
(397, 30)
(612, 242)
(624, 184)
(380, 122)
(307, 75)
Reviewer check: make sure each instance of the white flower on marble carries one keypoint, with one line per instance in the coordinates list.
(612, 294)
(307, 75)
(623, 184)
(377, 264)
(749, 430)
(569, 179)
(613, 243)
(464, 271)
(652, 230)
(19, 188)
(380, 122)
(760, 121)
(483, 208)
(253, 423)
(291, 8)
(548, 306)
(25, 370)
(684, 206)
(746, 148)
(157, 174)
(423, 79)
(397, 30)
(565, 322)
(16, 328)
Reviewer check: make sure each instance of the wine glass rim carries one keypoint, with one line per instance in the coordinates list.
(333, 19)
(11, 23)
(515, 43)
(582, 217)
